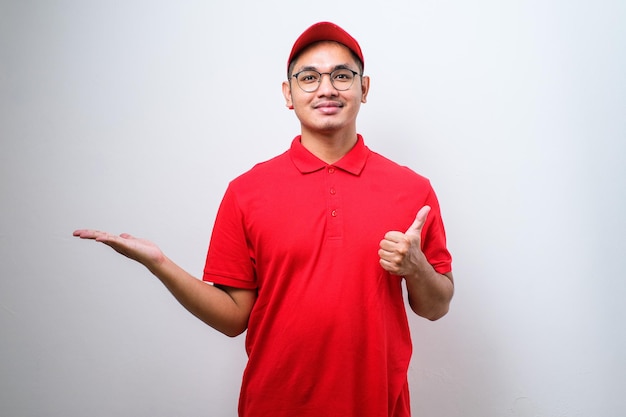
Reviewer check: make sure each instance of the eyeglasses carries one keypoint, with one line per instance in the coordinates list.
(310, 80)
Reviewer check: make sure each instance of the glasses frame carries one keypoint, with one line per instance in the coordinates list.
(330, 76)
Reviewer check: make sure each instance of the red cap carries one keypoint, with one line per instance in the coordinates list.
(325, 31)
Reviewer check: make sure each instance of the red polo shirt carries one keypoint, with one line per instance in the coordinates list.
(328, 334)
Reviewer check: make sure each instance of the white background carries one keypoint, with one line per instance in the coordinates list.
(132, 116)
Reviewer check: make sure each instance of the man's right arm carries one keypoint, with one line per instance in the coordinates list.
(226, 309)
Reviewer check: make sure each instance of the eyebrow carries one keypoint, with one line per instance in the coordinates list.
(336, 67)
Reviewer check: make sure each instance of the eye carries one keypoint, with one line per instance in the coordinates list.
(308, 77)
(343, 75)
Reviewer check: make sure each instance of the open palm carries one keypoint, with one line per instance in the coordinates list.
(140, 250)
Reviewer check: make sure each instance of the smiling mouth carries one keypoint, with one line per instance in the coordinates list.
(327, 104)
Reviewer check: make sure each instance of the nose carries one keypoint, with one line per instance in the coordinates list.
(326, 87)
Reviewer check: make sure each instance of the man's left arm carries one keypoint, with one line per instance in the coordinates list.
(429, 292)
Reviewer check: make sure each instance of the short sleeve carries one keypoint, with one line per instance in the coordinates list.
(434, 237)
(229, 261)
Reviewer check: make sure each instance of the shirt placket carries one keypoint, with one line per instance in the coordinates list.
(333, 206)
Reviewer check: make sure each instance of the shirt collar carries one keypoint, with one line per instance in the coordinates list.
(352, 162)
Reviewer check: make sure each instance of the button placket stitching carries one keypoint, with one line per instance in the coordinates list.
(333, 204)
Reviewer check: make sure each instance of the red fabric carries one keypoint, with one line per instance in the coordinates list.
(328, 334)
(325, 31)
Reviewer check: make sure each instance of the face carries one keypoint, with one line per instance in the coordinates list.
(326, 110)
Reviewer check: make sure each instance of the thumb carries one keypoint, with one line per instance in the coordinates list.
(420, 219)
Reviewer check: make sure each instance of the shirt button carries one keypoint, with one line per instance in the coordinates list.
(333, 213)
(331, 170)
(333, 191)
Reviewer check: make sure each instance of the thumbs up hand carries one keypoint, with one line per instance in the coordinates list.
(400, 253)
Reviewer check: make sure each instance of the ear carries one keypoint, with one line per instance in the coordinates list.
(287, 95)
(365, 88)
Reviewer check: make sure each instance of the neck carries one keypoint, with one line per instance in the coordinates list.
(331, 147)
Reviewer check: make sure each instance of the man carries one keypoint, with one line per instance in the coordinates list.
(307, 253)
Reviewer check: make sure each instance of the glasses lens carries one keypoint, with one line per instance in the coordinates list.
(342, 79)
(308, 80)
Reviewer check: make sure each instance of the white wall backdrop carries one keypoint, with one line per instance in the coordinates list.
(132, 116)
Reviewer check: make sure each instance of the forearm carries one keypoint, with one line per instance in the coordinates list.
(211, 304)
(429, 292)
(226, 310)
